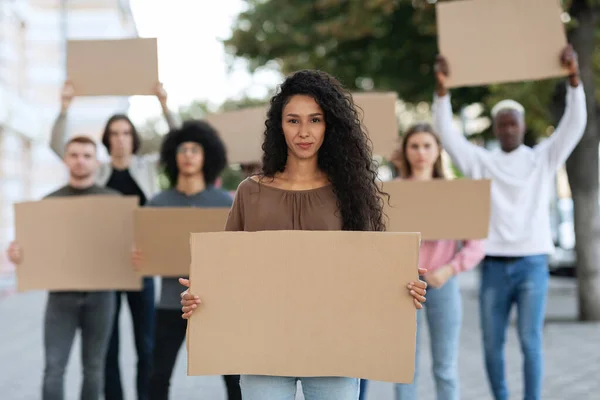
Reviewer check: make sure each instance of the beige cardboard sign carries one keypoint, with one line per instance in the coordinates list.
(76, 243)
(496, 41)
(123, 67)
(243, 130)
(456, 209)
(162, 234)
(304, 303)
(379, 118)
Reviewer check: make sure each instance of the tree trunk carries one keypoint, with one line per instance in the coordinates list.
(582, 169)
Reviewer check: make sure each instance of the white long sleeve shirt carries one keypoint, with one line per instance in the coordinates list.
(521, 180)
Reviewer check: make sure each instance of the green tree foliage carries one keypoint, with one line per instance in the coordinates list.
(381, 44)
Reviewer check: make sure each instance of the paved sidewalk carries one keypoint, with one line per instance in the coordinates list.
(572, 354)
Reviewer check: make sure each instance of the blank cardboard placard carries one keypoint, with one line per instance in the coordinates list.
(123, 67)
(81, 243)
(304, 303)
(162, 234)
(497, 41)
(456, 209)
(379, 118)
(243, 130)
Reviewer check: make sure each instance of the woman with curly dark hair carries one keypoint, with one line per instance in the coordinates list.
(317, 174)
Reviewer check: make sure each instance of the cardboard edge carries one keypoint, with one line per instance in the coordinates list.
(452, 85)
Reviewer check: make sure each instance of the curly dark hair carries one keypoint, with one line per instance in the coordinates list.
(345, 155)
(215, 154)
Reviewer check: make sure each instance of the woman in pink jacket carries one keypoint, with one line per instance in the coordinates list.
(419, 158)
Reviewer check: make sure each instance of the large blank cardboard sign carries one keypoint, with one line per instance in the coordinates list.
(243, 130)
(81, 243)
(163, 236)
(439, 209)
(496, 41)
(304, 303)
(124, 67)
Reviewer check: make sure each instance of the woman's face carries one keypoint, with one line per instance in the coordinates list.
(120, 138)
(422, 151)
(190, 159)
(303, 124)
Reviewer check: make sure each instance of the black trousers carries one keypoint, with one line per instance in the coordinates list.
(170, 334)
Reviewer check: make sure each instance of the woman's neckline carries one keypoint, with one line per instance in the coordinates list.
(260, 184)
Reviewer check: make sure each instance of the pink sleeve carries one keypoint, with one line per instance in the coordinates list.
(469, 256)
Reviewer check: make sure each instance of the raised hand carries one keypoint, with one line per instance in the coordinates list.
(441, 71)
(161, 94)
(66, 96)
(568, 59)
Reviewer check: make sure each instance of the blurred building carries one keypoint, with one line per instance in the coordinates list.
(33, 36)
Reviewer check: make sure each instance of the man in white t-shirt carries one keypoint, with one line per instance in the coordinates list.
(515, 269)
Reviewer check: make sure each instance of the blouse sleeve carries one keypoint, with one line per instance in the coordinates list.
(235, 219)
(471, 254)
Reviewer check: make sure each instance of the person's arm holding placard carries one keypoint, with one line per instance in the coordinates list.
(464, 154)
(152, 144)
(555, 150)
(59, 129)
(570, 129)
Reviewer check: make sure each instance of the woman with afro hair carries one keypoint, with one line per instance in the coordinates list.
(317, 174)
(193, 157)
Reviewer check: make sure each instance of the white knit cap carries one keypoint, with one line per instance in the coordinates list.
(508, 105)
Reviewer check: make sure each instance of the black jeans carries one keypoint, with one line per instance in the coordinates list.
(170, 334)
(141, 305)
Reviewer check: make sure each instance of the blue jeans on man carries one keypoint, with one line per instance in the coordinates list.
(506, 281)
(141, 305)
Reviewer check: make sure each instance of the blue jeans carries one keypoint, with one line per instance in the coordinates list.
(506, 281)
(364, 384)
(443, 311)
(92, 313)
(255, 387)
(141, 304)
